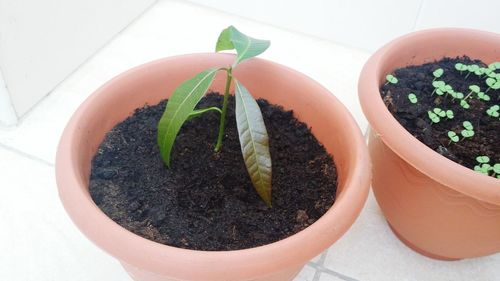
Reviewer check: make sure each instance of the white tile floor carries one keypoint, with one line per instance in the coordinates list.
(39, 243)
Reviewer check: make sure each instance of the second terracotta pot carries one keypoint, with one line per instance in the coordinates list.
(434, 205)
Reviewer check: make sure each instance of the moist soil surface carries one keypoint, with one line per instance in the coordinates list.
(414, 117)
(206, 200)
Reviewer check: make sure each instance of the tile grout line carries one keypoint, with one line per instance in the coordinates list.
(322, 269)
(26, 155)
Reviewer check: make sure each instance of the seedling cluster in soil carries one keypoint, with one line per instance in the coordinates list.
(452, 106)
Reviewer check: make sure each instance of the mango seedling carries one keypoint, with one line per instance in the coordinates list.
(391, 79)
(252, 131)
(413, 98)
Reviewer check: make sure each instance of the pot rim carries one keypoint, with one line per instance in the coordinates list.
(163, 259)
(409, 148)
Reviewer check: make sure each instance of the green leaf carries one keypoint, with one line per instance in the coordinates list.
(468, 125)
(496, 168)
(179, 107)
(391, 79)
(453, 136)
(483, 159)
(474, 88)
(254, 142)
(438, 72)
(198, 112)
(413, 98)
(464, 104)
(224, 40)
(434, 118)
(467, 133)
(449, 114)
(246, 46)
(438, 84)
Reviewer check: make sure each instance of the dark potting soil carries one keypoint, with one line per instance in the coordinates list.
(414, 117)
(206, 200)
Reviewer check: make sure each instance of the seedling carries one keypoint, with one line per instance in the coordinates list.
(460, 67)
(437, 73)
(457, 95)
(472, 69)
(484, 167)
(413, 98)
(252, 132)
(391, 79)
(473, 89)
(468, 130)
(433, 116)
(494, 65)
(439, 112)
(464, 104)
(493, 111)
(492, 84)
(483, 96)
(453, 137)
(450, 114)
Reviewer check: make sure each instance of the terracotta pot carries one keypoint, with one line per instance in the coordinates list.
(147, 260)
(437, 207)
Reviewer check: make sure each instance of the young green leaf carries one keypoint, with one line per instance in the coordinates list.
(198, 112)
(438, 72)
(483, 159)
(464, 104)
(391, 79)
(467, 133)
(453, 136)
(468, 125)
(460, 67)
(179, 107)
(483, 96)
(474, 88)
(449, 114)
(413, 98)
(493, 111)
(254, 142)
(496, 168)
(433, 116)
(246, 46)
(224, 40)
(439, 112)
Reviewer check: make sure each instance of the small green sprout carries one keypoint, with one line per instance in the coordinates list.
(472, 69)
(413, 98)
(433, 116)
(453, 137)
(457, 95)
(493, 111)
(485, 168)
(468, 125)
(439, 92)
(437, 73)
(449, 114)
(464, 104)
(468, 132)
(460, 67)
(483, 96)
(439, 112)
(391, 79)
(494, 65)
(492, 74)
(473, 89)
(492, 84)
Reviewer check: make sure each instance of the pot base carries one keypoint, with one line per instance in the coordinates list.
(417, 249)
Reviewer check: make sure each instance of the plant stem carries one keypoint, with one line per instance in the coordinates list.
(222, 123)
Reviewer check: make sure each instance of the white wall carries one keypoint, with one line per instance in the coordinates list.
(42, 42)
(364, 24)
